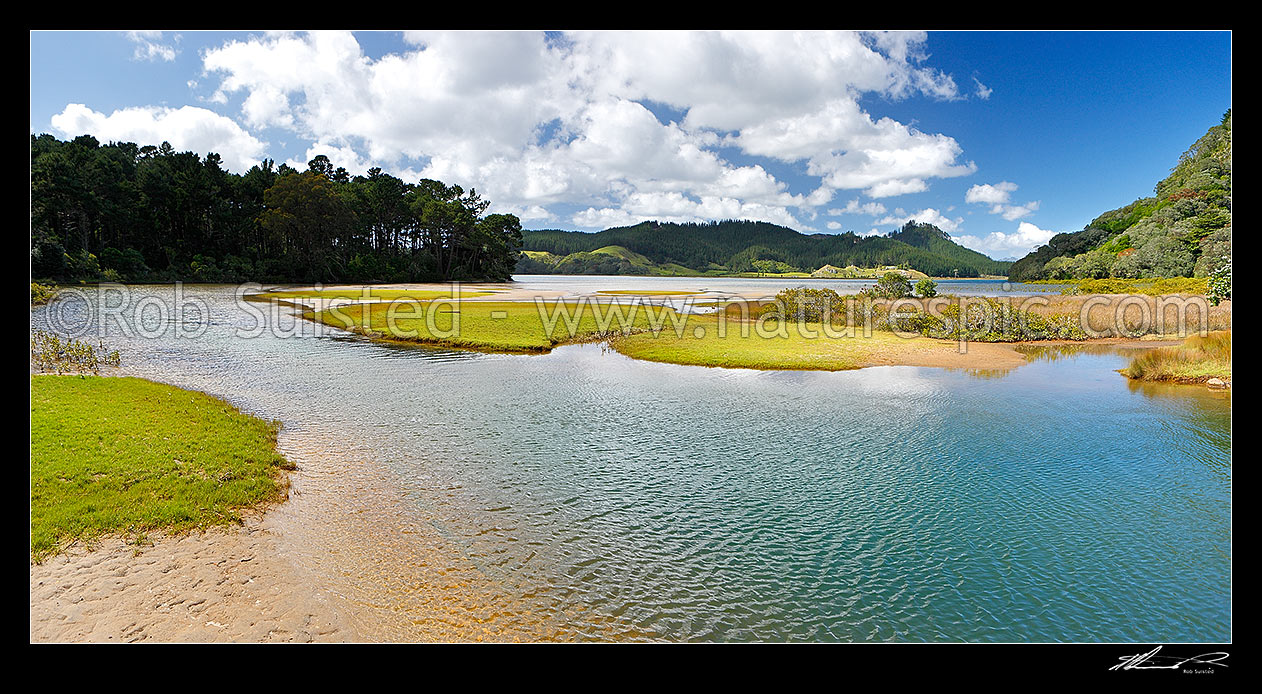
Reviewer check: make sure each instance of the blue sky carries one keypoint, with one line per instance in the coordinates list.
(1001, 138)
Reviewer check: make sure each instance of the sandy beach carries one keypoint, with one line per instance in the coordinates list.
(231, 584)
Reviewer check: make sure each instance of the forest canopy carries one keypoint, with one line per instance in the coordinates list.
(124, 212)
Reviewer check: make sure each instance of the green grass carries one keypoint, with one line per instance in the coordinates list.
(374, 293)
(494, 326)
(749, 350)
(127, 455)
(1197, 360)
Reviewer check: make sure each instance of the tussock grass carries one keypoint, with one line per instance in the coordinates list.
(1197, 360)
(127, 455)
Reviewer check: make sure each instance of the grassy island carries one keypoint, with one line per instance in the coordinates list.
(493, 326)
(128, 455)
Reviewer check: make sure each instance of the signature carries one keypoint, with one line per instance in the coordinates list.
(1152, 661)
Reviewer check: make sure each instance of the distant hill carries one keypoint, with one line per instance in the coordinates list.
(731, 247)
(1184, 230)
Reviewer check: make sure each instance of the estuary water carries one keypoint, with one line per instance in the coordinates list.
(615, 498)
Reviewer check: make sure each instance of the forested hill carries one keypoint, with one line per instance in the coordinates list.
(743, 246)
(1184, 230)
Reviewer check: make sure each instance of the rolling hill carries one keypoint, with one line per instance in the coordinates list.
(732, 247)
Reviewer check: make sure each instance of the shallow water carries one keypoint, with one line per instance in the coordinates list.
(612, 498)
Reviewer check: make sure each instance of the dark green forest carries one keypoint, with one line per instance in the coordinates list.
(736, 246)
(1184, 230)
(123, 212)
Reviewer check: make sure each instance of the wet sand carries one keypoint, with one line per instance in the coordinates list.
(231, 584)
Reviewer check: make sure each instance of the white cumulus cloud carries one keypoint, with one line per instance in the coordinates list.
(997, 196)
(534, 121)
(187, 129)
(997, 244)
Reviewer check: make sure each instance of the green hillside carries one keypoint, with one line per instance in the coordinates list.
(733, 247)
(1184, 230)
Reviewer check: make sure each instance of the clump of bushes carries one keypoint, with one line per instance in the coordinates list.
(807, 305)
(980, 319)
(892, 285)
(42, 293)
(987, 320)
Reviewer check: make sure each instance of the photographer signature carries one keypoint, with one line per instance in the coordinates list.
(1152, 661)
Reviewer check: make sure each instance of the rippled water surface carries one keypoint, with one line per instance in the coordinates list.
(1053, 502)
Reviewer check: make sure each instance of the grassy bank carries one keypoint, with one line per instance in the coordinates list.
(771, 346)
(495, 326)
(127, 455)
(1197, 360)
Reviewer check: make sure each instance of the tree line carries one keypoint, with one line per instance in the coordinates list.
(124, 212)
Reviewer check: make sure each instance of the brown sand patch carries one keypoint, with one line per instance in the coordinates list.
(233, 584)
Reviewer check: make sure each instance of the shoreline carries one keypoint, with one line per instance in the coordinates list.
(345, 558)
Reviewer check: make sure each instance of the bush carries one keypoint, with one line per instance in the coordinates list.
(1220, 282)
(926, 288)
(41, 293)
(807, 305)
(892, 285)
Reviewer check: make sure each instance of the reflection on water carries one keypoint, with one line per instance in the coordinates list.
(583, 494)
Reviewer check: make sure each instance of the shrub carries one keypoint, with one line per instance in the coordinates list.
(1219, 287)
(41, 293)
(807, 305)
(927, 288)
(892, 285)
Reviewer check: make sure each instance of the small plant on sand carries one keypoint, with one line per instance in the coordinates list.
(53, 354)
(926, 288)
